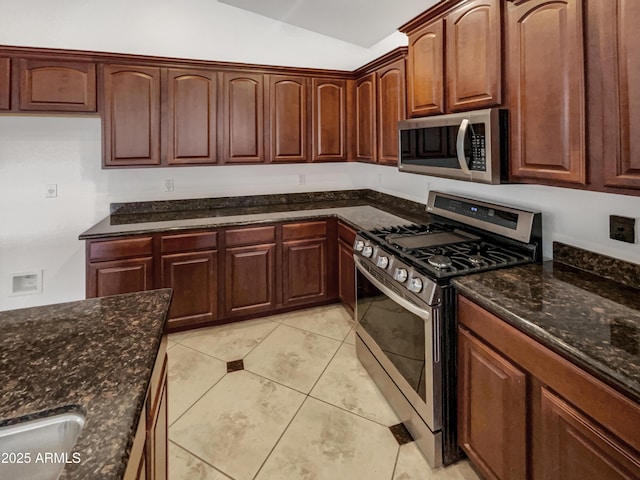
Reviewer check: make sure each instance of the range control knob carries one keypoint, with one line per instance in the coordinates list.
(383, 262)
(400, 275)
(415, 285)
(358, 246)
(367, 251)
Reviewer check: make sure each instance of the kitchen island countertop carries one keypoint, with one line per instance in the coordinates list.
(95, 356)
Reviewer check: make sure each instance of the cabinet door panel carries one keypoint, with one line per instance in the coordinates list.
(157, 438)
(391, 109)
(329, 120)
(473, 54)
(621, 97)
(288, 126)
(546, 81)
(5, 83)
(249, 279)
(192, 117)
(305, 271)
(576, 448)
(57, 86)
(193, 278)
(491, 410)
(243, 118)
(365, 119)
(119, 276)
(425, 65)
(131, 121)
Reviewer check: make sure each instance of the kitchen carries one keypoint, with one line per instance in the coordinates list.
(41, 233)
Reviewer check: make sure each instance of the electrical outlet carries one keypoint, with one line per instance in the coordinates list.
(302, 179)
(51, 190)
(168, 185)
(622, 228)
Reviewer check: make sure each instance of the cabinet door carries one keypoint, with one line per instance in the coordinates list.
(157, 436)
(5, 83)
(191, 117)
(620, 95)
(193, 278)
(329, 120)
(119, 276)
(474, 56)
(131, 122)
(425, 70)
(243, 118)
(288, 112)
(365, 119)
(574, 447)
(391, 109)
(491, 410)
(546, 84)
(49, 85)
(347, 277)
(250, 279)
(304, 271)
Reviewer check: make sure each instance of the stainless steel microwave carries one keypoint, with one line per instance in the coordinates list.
(468, 146)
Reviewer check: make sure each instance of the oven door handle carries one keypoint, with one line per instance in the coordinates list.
(403, 302)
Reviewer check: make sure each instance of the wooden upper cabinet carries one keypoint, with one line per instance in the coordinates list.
(288, 129)
(5, 83)
(474, 55)
(365, 118)
(619, 122)
(391, 109)
(329, 120)
(131, 122)
(191, 117)
(58, 86)
(243, 118)
(546, 83)
(425, 70)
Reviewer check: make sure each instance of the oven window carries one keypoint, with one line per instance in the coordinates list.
(399, 333)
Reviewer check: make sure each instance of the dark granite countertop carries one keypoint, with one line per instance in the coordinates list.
(362, 209)
(95, 356)
(591, 320)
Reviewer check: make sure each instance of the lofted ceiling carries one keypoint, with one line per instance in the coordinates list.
(360, 22)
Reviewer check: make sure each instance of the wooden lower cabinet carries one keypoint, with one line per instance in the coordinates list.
(194, 280)
(577, 448)
(491, 410)
(250, 279)
(119, 276)
(149, 452)
(524, 412)
(346, 267)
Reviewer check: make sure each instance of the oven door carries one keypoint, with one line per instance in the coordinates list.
(404, 337)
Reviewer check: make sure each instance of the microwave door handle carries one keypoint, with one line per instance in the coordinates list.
(462, 133)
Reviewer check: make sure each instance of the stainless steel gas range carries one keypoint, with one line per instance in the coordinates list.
(405, 306)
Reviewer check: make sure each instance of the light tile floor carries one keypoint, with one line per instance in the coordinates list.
(302, 408)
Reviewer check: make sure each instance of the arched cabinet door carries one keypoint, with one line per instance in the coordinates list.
(391, 109)
(288, 125)
(131, 122)
(243, 118)
(192, 117)
(329, 120)
(546, 72)
(365, 119)
(425, 70)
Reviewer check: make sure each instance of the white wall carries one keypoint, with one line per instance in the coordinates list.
(194, 29)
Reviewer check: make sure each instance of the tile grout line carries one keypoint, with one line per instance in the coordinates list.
(395, 464)
(197, 400)
(280, 437)
(201, 459)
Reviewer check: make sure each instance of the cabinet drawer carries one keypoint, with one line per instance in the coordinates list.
(189, 241)
(346, 233)
(250, 236)
(296, 231)
(127, 247)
